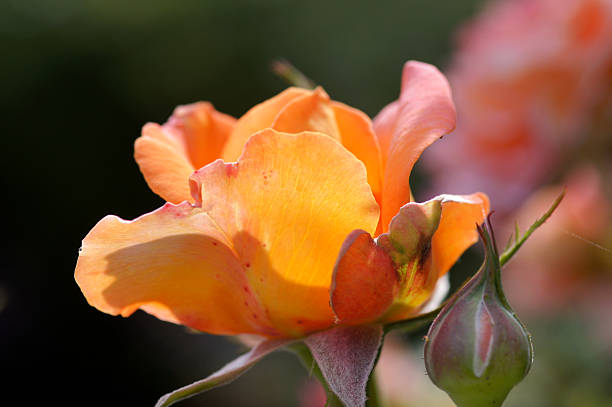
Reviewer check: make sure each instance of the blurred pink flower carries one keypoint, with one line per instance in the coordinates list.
(402, 378)
(527, 78)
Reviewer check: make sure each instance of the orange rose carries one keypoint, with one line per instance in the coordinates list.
(259, 209)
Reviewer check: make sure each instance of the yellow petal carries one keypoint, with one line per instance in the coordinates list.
(258, 118)
(309, 112)
(173, 263)
(287, 206)
(457, 229)
(357, 135)
(163, 163)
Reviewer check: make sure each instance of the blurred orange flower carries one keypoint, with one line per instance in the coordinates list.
(528, 78)
(259, 209)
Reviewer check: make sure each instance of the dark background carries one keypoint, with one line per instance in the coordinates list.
(78, 81)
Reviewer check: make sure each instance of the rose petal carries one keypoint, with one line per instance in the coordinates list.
(167, 155)
(457, 229)
(364, 283)
(173, 263)
(309, 112)
(202, 130)
(357, 135)
(384, 126)
(287, 206)
(425, 112)
(258, 118)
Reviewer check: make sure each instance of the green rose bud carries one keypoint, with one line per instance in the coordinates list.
(476, 348)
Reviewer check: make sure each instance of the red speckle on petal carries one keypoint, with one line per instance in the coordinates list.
(246, 289)
(231, 169)
(215, 243)
(247, 265)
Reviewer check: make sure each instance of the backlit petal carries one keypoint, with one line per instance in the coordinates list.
(384, 126)
(425, 112)
(358, 137)
(457, 231)
(258, 118)
(309, 112)
(201, 130)
(167, 155)
(173, 263)
(287, 206)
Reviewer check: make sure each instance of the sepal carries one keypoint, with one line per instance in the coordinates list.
(225, 375)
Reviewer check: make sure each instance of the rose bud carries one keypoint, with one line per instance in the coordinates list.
(477, 349)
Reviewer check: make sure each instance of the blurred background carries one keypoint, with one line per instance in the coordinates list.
(80, 78)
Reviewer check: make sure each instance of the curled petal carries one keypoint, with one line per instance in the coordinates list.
(457, 230)
(395, 276)
(167, 155)
(257, 118)
(384, 126)
(309, 112)
(424, 112)
(364, 283)
(287, 218)
(163, 163)
(173, 263)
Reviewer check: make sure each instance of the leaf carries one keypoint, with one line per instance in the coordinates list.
(225, 375)
(346, 356)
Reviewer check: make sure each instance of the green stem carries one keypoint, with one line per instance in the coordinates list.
(372, 392)
(291, 74)
(511, 251)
